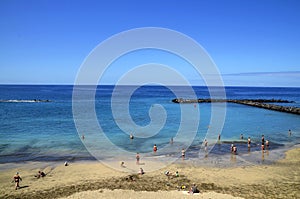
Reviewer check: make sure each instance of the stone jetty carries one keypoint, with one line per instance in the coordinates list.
(260, 103)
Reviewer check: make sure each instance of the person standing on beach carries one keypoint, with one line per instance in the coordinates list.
(249, 142)
(263, 140)
(137, 158)
(205, 145)
(182, 153)
(154, 148)
(267, 144)
(234, 150)
(17, 179)
(231, 148)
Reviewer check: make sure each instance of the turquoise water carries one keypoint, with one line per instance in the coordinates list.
(46, 131)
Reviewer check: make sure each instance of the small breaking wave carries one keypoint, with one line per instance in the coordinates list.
(24, 101)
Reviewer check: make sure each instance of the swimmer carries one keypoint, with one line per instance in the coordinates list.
(219, 137)
(154, 148)
(290, 132)
(131, 136)
(171, 141)
(241, 136)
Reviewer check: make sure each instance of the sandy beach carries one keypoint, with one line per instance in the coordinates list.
(94, 180)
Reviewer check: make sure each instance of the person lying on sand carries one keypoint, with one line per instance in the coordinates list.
(181, 188)
(168, 174)
(40, 174)
(130, 178)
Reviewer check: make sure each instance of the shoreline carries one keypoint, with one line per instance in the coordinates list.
(278, 180)
(201, 159)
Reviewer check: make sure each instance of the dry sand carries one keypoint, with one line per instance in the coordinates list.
(94, 180)
(126, 194)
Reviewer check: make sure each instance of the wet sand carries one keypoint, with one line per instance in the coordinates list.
(94, 180)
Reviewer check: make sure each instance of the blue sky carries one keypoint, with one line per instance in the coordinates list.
(252, 42)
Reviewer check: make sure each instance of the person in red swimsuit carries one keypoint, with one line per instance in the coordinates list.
(234, 150)
(154, 148)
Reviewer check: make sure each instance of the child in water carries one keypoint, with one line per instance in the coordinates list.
(154, 148)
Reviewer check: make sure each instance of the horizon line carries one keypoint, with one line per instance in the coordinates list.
(68, 84)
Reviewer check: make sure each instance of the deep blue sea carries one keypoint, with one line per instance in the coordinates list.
(45, 131)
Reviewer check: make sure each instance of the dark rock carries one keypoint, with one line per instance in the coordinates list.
(260, 103)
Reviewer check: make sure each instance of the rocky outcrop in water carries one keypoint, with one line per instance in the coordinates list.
(260, 103)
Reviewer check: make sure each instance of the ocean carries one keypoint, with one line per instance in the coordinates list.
(46, 131)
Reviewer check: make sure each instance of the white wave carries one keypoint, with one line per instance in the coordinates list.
(24, 101)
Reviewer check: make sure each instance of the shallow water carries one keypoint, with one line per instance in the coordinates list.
(46, 131)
